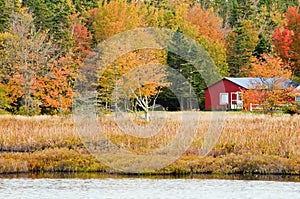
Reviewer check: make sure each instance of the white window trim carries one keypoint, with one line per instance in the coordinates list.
(297, 98)
(220, 98)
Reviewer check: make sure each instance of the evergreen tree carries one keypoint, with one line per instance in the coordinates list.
(234, 14)
(53, 15)
(4, 16)
(6, 8)
(241, 44)
(263, 46)
(84, 5)
(192, 81)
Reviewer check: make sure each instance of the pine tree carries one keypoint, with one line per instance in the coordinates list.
(53, 16)
(263, 46)
(4, 15)
(179, 49)
(84, 5)
(241, 44)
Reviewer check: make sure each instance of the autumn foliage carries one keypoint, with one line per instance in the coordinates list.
(267, 91)
(44, 44)
(269, 67)
(286, 41)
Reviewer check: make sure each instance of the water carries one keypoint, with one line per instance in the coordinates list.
(110, 187)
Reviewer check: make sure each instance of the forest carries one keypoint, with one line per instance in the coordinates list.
(43, 44)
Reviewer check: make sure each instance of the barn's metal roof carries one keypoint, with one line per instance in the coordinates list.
(247, 83)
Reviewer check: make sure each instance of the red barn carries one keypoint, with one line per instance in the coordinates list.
(226, 94)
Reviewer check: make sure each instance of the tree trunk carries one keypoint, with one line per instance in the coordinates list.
(181, 103)
(147, 116)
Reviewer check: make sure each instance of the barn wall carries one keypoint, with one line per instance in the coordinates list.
(212, 94)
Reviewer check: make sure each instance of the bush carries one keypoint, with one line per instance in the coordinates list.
(29, 111)
(293, 109)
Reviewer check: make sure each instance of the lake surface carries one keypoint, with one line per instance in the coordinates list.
(111, 187)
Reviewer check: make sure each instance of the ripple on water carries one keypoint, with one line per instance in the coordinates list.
(134, 188)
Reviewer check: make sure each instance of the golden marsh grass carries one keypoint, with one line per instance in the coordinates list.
(251, 143)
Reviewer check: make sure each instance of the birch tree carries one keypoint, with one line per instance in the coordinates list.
(142, 85)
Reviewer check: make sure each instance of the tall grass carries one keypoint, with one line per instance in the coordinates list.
(242, 133)
(24, 134)
(252, 137)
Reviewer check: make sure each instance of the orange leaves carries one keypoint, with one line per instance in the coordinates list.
(52, 90)
(293, 19)
(206, 22)
(268, 93)
(251, 97)
(287, 46)
(82, 38)
(268, 99)
(269, 67)
(81, 35)
(57, 90)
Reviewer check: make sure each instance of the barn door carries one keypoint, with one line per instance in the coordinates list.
(236, 102)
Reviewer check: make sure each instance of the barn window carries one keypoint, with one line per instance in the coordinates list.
(239, 96)
(223, 98)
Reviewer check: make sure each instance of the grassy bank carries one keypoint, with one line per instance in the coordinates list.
(249, 143)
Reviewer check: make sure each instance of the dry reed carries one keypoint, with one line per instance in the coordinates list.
(267, 144)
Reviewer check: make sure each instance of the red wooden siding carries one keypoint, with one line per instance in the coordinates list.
(212, 94)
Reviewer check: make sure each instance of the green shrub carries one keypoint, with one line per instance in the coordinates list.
(293, 109)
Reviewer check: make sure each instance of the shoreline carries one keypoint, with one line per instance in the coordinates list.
(66, 160)
(99, 175)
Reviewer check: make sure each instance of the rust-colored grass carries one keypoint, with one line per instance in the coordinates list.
(249, 143)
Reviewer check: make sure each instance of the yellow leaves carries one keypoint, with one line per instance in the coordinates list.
(5, 36)
(6, 43)
(278, 17)
(217, 52)
(115, 17)
(141, 69)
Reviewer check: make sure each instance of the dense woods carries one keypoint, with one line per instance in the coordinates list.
(44, 43)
